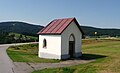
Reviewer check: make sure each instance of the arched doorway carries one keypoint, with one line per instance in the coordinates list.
(71, 46)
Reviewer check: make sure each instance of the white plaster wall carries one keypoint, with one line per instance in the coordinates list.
(72, 29)
(53, 46)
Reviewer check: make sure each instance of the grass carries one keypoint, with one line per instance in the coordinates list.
(27, 53)
(106, 54)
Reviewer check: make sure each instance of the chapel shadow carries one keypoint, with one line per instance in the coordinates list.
(91, 56)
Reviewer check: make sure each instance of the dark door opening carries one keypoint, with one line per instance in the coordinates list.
(71, 48)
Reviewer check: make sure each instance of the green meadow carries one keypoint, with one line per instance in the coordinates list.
(106, 54)
(27, 53)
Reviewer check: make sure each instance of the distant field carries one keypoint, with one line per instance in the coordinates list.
(99, 40)
(17, 35)
(105, 52)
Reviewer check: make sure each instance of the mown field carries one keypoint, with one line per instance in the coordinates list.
(106, 54)
(27, 53)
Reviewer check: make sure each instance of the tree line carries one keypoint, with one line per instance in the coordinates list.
(6, 38)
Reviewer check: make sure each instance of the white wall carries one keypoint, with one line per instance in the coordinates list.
(72, 29)
(53, 49)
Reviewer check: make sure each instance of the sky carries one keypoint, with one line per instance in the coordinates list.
(95, 13)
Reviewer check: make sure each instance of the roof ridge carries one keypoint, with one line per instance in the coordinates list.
(66, 18)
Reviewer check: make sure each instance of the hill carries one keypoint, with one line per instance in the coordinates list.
(20, 27)
(17, 32)
(89, 31)
(31, 30)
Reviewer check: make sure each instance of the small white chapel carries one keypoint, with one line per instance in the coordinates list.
(60, 39)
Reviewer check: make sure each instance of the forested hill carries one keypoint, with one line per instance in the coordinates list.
(89, 31)
(20, 27)
(31, 30)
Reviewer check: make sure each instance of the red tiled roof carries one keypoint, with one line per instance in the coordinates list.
(57, 26)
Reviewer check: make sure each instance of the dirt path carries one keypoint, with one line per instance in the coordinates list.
(29, 67)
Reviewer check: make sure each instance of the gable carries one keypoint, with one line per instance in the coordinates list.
(72, 29)
(57, 26)
(76, 24)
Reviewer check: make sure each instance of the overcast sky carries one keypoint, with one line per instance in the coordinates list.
(96, 13)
